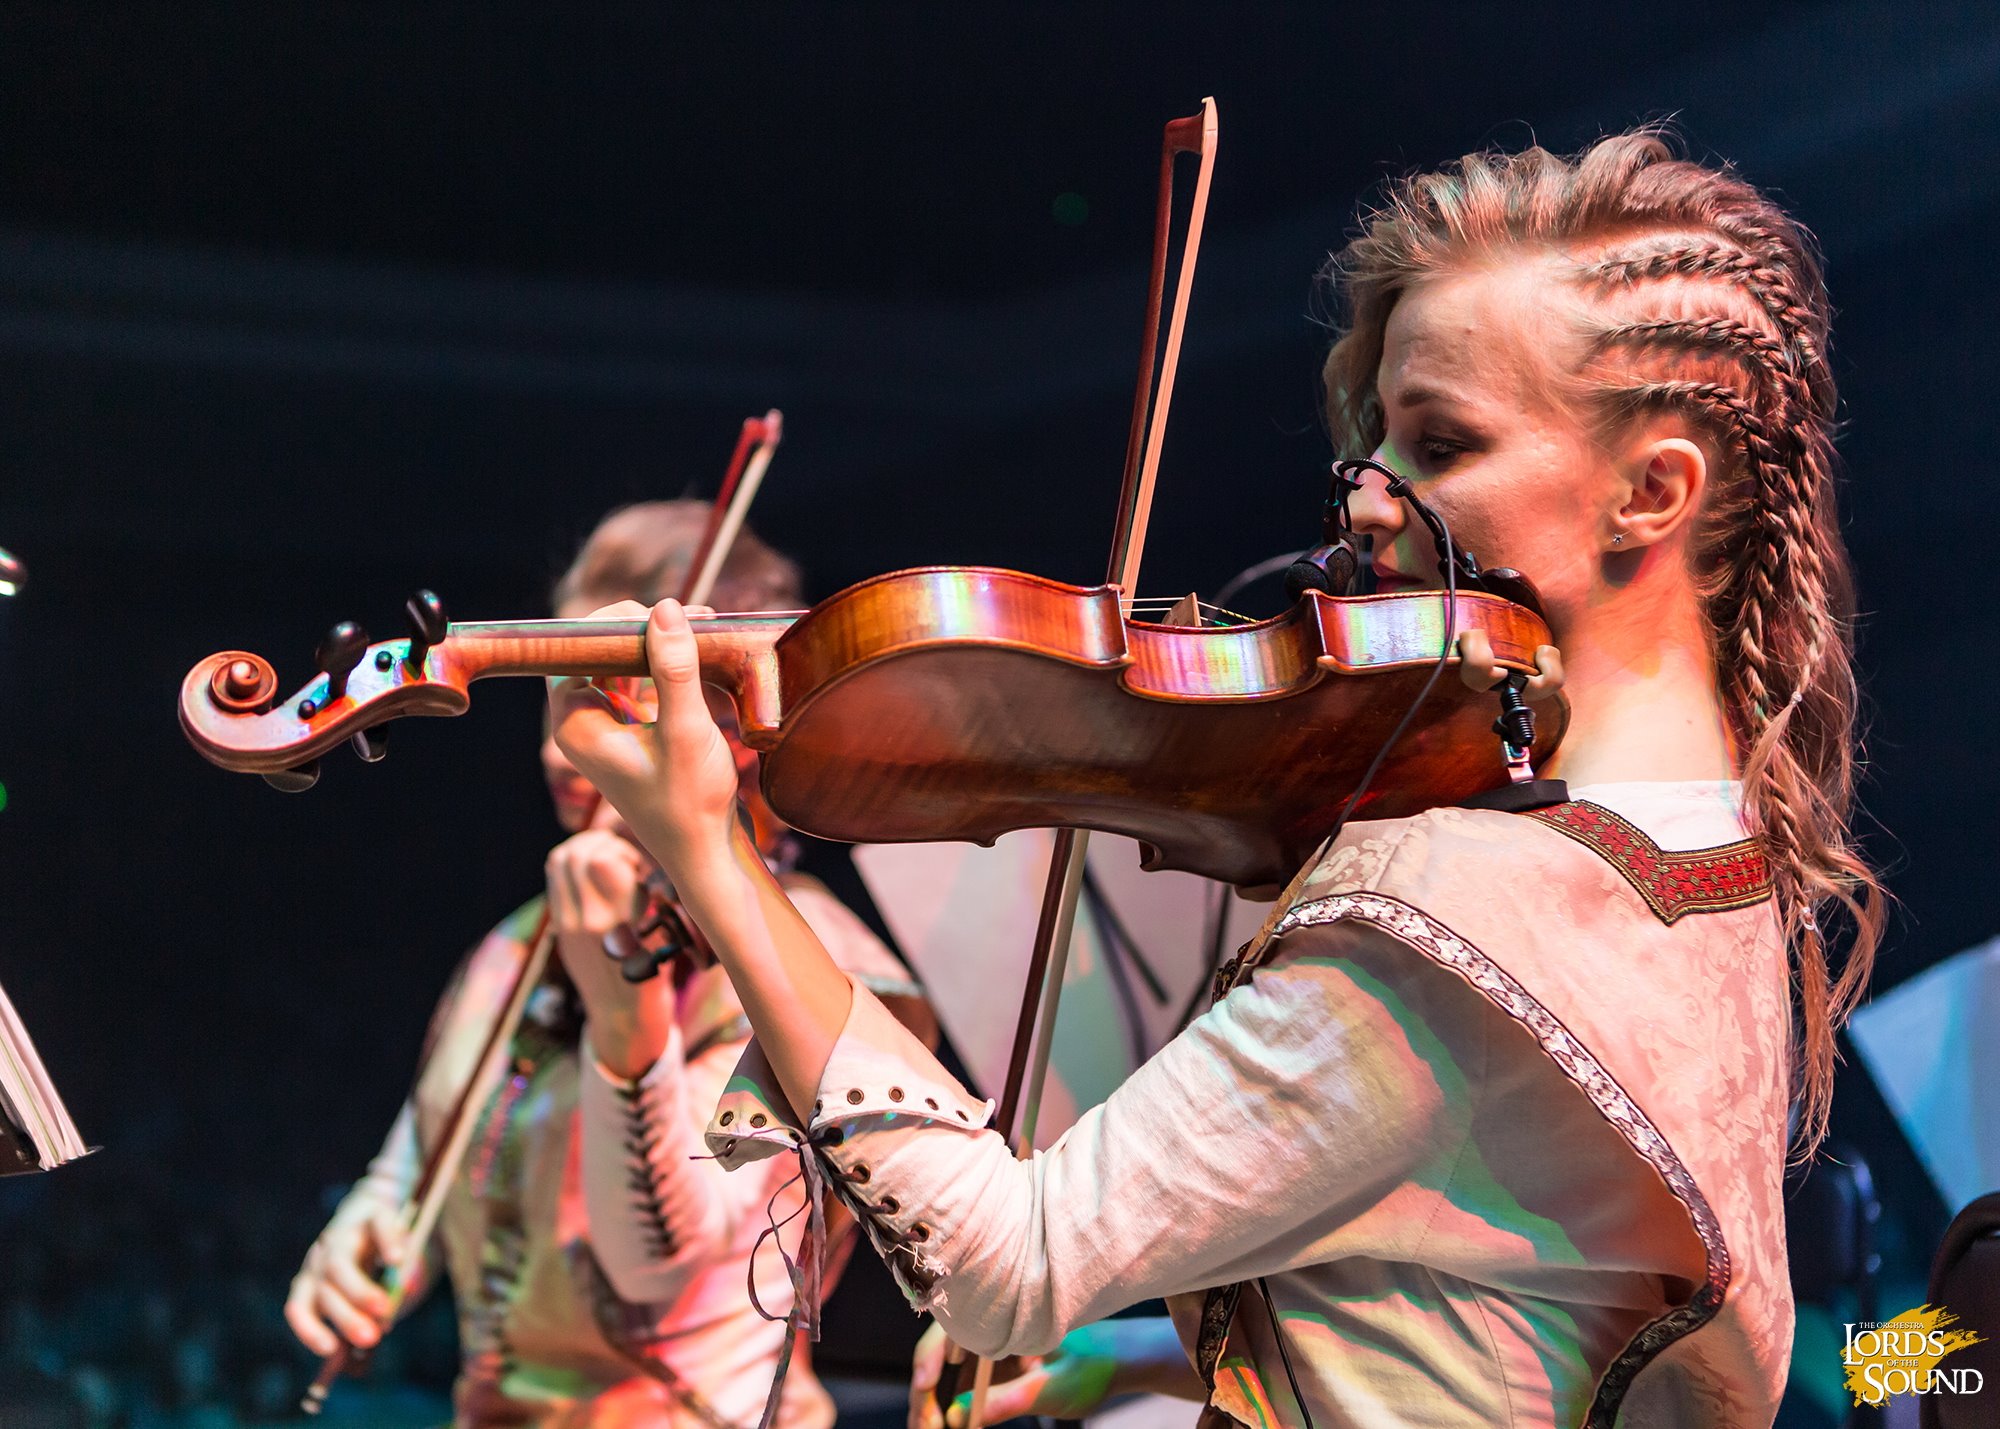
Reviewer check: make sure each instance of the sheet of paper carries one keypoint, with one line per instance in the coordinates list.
(965, 918)
(30, 1104)
(1933, 1047)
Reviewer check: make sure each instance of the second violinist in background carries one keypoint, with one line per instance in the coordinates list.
(598, 1259)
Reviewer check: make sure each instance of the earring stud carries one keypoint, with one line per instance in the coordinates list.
(1619, 539)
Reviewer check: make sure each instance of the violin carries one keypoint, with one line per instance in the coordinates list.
(963, 703)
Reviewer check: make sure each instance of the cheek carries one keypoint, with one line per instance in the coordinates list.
(1533, 514)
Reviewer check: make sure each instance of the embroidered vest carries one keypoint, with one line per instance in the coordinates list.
(1567, 920)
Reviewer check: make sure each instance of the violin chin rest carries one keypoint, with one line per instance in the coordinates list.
(1520, 798)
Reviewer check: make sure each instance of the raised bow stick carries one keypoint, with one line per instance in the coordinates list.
(419, 1215)
(1028, 1063)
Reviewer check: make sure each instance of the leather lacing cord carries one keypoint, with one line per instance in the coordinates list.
(1285, 1353)
(805, 1272)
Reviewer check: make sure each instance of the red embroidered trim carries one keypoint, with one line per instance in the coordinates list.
(1702, 880)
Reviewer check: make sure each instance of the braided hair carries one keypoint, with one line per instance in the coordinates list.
(1701, 298)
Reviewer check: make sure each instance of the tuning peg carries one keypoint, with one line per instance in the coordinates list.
(428, 626)
(297, 779)
(372, 744)
(338, 654)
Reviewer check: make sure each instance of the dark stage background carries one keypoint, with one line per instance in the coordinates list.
(304, 307)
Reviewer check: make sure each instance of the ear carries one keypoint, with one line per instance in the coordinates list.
(1667, 478)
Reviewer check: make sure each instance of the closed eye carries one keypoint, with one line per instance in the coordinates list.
(1439, 452)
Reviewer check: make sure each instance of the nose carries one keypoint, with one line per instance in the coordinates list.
(1371, 510)
(555, 764)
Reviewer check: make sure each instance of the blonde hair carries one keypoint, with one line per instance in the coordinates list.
(1706, 300)
(642, 552)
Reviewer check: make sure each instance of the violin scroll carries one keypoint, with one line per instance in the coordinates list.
(242, 683)
(230, 711)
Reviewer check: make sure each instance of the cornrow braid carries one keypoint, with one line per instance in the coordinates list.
(1790, 490)
(1744, 341)
(1767, 283)
(1742, 355)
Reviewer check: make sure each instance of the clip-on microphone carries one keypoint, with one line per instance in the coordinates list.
(1333, 566)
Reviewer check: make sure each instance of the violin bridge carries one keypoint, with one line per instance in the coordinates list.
(1186, 611)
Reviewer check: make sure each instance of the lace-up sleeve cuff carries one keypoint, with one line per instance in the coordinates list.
(752, 1120)
(878, 1072)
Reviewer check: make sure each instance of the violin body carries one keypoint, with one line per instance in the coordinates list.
(962, 703)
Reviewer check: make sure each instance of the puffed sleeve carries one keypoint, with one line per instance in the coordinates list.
(1296, 1109)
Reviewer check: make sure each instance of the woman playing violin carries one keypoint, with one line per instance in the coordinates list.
(1492, 1131)
(598, 1266)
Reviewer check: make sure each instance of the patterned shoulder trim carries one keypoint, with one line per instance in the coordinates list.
(1577, 1063)
(1674, 884)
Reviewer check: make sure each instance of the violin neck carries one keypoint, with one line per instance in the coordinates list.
(737, 653)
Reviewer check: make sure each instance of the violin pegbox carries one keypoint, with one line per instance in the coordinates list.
(230, 710)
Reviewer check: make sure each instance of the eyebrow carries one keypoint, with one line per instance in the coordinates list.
(1417, 395)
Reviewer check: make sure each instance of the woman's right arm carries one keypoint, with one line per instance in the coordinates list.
(1284, 1127)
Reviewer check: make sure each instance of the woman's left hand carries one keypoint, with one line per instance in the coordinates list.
(674, 780)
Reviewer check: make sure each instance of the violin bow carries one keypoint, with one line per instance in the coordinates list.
(755, 446)
(1028, 1062)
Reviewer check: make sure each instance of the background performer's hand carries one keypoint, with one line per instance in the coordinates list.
(594, 890)
(1094, 1363)
(1069, 1384)
(335, 1297)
